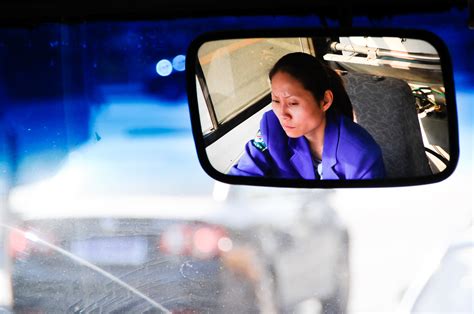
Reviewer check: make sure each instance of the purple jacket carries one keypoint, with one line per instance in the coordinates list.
(349, 152)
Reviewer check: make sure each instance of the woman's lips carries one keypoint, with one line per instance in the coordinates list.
(288, 127)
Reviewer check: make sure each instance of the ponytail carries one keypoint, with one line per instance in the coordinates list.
(341, 103)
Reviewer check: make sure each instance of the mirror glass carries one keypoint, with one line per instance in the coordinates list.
(343, 108)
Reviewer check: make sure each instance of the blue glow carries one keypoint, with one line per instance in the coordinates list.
(179, 63)
(164, 67)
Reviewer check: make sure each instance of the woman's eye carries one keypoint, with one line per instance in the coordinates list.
(293, 103)
(275, 101)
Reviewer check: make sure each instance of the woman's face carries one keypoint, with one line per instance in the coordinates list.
(296, 108)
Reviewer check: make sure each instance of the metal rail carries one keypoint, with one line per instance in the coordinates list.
(379, 52)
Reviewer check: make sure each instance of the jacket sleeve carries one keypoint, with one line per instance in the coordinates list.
(254, 161)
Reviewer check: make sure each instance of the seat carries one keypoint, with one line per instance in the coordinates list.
(385, 107)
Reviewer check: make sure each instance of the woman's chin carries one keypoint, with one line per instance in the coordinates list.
(292, 133)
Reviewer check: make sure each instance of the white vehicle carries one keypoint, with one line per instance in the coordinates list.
(445, 283)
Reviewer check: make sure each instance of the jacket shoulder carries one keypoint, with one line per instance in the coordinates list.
(355, 138)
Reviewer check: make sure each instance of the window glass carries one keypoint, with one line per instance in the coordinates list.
(236, 81)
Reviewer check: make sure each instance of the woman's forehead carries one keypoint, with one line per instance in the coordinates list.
(285, 85)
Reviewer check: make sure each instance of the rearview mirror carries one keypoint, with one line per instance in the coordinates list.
(319, 108)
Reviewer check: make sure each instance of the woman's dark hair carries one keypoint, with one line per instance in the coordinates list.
(315, 77)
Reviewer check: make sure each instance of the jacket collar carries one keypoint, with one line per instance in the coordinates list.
(301, 158)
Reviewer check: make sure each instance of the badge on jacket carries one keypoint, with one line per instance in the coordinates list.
(259, 143)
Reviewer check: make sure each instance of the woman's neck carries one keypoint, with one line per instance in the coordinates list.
(316, 140)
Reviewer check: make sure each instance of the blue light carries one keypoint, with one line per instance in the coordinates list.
(179, 63)
(164, 67)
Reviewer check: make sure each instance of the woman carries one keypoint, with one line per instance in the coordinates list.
(310, 133)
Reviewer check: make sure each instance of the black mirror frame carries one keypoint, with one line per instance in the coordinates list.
(448, 81)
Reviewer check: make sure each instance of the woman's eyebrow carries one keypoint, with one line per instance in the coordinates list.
(284, 96)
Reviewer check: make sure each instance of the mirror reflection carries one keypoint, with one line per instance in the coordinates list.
(329, 108)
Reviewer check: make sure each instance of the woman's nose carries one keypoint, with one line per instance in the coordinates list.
(284, 112)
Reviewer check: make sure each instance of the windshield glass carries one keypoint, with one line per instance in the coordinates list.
(104, 206)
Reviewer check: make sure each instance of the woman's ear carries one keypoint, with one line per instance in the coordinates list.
(327, 100)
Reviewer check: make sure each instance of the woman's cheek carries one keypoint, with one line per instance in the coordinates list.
(294, 112)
